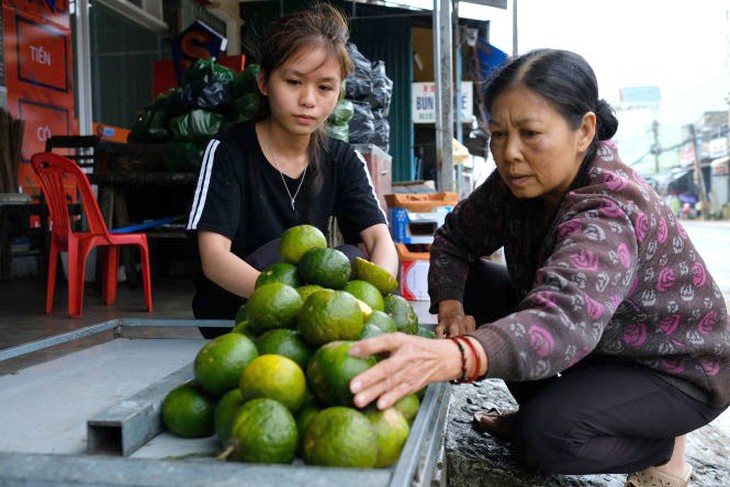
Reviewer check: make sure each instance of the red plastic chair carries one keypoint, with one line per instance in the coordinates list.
(52, 171)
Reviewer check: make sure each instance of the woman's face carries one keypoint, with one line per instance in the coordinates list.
(536, 152)
(303, 91)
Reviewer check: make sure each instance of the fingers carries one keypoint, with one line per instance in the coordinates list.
(384, 382)
(380, 344)
(455, 326)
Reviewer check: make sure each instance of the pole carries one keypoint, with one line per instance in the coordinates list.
(83, 63)
(699, 178)
(443, 74)
(656, 148)
(514, 28)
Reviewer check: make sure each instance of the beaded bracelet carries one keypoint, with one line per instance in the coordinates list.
(464, 377)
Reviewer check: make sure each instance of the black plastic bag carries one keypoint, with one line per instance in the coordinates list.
(196, 126)
(382, 88)
(183, 156)
(149, 126)
(381, 130)
(207, 84)
(362, 123)
(246, 81)
(358, 85)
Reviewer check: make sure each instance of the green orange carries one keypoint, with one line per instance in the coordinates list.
(340, 437)
(279, 272)
(327, 267)
(188, 411)
(286, 342)
(374, 274)
(297, 241)
(274, 305)
(330, 371)
(219, 363)
(329, 315)
(391, 431)
(264, 431)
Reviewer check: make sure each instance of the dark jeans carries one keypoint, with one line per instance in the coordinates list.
(597, 416)
(215, 303)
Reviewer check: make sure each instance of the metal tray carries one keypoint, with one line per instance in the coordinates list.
(91, 417)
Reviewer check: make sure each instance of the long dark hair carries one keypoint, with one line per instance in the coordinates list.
(566, 81)
(321, 25)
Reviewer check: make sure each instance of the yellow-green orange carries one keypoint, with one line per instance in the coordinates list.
(276, 377)
(297, 241)
(188, 411)
(241, 314)
(391, 431)
(225, 411)
(329, 315)
(330, 371)
(366, 292)
(279, 272)
(274, 305)
(382, 321)
(369, 331)
(243, 328)
(308, 289)
(398, 308)
(340, 437)
(265, 432)
(219, 363)
(327, 267)
(286, 342)
(408, 406)
(374, 274)
(304, 417)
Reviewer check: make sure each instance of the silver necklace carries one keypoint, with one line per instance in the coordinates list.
(292, 199)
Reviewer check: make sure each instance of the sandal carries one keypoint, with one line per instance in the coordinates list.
(495, 422)
(653, 477)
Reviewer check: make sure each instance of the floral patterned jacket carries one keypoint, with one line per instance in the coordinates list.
(613, 276)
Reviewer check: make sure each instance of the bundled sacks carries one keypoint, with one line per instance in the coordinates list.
(213, 98)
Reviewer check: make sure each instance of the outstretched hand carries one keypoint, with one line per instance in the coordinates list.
(454, 325)
(412, 362)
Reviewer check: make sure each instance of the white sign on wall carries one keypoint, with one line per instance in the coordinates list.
(423, 102)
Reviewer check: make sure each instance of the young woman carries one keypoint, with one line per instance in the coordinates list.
(606, 325)
(281, 170)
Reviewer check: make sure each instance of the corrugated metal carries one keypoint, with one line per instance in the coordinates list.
(389, 40)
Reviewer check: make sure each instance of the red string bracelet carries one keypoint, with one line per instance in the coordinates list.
(477, 360)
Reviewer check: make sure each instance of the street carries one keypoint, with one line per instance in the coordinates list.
(712, 240)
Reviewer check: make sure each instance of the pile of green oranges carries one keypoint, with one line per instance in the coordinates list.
(277, 386)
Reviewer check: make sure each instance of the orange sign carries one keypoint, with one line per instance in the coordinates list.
(42, 55)
(41, 121)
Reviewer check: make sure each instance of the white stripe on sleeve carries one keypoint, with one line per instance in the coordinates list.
(370, 182)
(201, 190)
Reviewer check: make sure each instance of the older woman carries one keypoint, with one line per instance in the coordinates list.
(605, 324)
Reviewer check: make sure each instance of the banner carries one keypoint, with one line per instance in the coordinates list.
(198, 41)
(38, 75)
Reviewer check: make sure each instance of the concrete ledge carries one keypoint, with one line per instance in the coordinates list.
(473, 458)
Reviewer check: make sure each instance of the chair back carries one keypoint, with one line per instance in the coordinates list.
(53, 171)
(83, 148)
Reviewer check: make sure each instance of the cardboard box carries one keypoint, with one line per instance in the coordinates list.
(421, 202)
(413, 273)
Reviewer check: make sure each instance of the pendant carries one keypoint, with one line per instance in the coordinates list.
(292, 204)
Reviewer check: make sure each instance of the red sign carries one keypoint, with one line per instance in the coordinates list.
(41, 121)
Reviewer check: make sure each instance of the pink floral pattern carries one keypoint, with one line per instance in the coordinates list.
(594, 308)
(584, 260)
(569, 227)
(699, 276)
(543, 299)
(635, 334)
(610, 209)
(674, 366)
(663, 231)
(614, 182)
(623, 254)
(707, 323)
(641, 227)
(541, 341)
(666, 279)
(670, 323)
(711, 365)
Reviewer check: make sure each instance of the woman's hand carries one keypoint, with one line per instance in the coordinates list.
(412, 362)
(453, 321)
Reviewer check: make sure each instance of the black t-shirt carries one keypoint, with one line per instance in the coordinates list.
(240, 195)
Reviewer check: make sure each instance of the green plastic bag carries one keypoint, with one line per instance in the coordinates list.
(343, 112)
(196, 126)
(207, 84)
(341, 132)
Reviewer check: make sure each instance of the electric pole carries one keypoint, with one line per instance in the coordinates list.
(656, 148)
(699, 178)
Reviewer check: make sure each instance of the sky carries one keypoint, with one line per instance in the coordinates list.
(681, 47)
